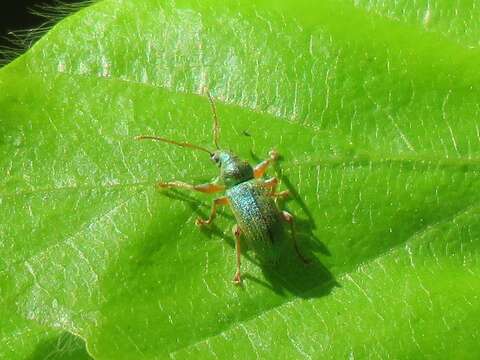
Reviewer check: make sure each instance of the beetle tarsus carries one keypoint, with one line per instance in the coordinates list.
(237, 279)
(281, 194)
(237, 232)
(273, 154)
(287, 217)
(260, 169)
(201, 222)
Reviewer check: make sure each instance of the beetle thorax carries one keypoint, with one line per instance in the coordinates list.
(233, 171)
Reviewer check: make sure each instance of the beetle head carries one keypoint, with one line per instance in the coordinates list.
(233, 170)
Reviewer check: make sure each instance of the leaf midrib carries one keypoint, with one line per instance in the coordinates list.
(426, 164)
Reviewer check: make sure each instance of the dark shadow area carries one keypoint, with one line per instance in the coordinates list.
(290, 273)
(64, 347)
(285, 182)
(23, 22)
(153, 277)
(201, 209)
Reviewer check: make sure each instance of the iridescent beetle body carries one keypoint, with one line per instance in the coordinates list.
(252, 200)
(252, 204)
(258, 218)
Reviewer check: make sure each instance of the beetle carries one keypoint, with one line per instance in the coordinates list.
(251, 198)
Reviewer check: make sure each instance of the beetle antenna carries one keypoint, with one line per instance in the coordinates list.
(216, 126)
(182, 144)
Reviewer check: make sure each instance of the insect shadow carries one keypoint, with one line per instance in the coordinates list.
(290, 274)
(66, 345)
(197, 207)
(200, 208)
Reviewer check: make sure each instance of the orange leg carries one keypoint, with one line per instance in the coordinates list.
(205, 188)
(260, 169)
(272, 184)
(213, 213)
(237, 279)
(287, 217)
(281, 194)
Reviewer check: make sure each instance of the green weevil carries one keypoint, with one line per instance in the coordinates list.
(251, 198)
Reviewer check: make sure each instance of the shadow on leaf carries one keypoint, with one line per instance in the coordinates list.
(65, 346)
(290, 274)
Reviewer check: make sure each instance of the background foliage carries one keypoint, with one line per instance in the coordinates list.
(374, 107)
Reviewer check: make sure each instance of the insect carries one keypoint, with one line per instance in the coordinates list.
(251, 198)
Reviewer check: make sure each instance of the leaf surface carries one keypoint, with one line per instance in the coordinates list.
(374, 108)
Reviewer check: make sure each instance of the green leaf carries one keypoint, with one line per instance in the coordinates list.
(374, 108)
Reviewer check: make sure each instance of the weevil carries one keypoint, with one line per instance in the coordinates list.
(252, 199)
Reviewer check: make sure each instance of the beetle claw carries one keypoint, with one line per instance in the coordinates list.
(273, 154)
(237, 279)
(200, 222)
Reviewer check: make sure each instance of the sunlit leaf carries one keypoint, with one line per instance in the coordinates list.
(374, 108)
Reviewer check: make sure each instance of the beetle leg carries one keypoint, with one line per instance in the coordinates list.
(237, 279)
(260, 169)
(205, 188)
(287, 217)
(213, 213)
(281, 194)
(270, 184)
